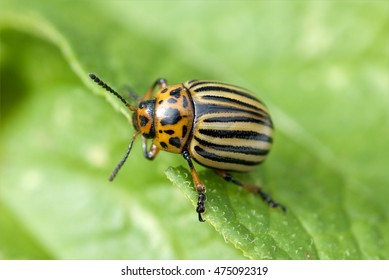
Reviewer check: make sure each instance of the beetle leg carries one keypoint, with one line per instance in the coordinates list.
(161, 82)
(199, 186)
(152, 152)
(252, 188)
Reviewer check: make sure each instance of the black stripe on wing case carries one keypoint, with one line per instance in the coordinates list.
(209, 108)
(222, 88)
(231, 101)
(233, 149)
(217, 158)
(240, 134)
(234, 119)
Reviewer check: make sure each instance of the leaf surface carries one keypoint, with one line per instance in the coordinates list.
(323, 74)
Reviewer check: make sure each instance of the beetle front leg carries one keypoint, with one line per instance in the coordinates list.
(199, 186)
(161, 82)
(152, 152)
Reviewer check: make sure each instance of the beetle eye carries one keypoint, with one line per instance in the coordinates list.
(142, 105)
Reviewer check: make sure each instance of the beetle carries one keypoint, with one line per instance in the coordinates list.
(218, 125)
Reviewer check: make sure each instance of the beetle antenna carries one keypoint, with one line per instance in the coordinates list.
(108, 88)
(120, 164)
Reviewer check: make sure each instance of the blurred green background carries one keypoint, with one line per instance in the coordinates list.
(322, 68)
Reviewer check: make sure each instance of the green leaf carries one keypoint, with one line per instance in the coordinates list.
(245, 221)
(320, 66)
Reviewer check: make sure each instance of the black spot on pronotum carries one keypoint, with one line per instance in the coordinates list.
(172, 116)
(175, 141)
(172, 100)
(143, 120)
(184, 102)
(184, 130)
(169, 131)
(163, 144)
(175, 92)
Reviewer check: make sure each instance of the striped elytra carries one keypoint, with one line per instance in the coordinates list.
(220, 126)
(232, 128)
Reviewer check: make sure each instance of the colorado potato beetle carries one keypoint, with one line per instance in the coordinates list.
(220, 126)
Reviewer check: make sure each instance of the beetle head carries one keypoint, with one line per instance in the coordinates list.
(143, 118)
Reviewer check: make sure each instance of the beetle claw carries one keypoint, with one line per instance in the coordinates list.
(201, 218)
(271, 202)
(200, 205)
